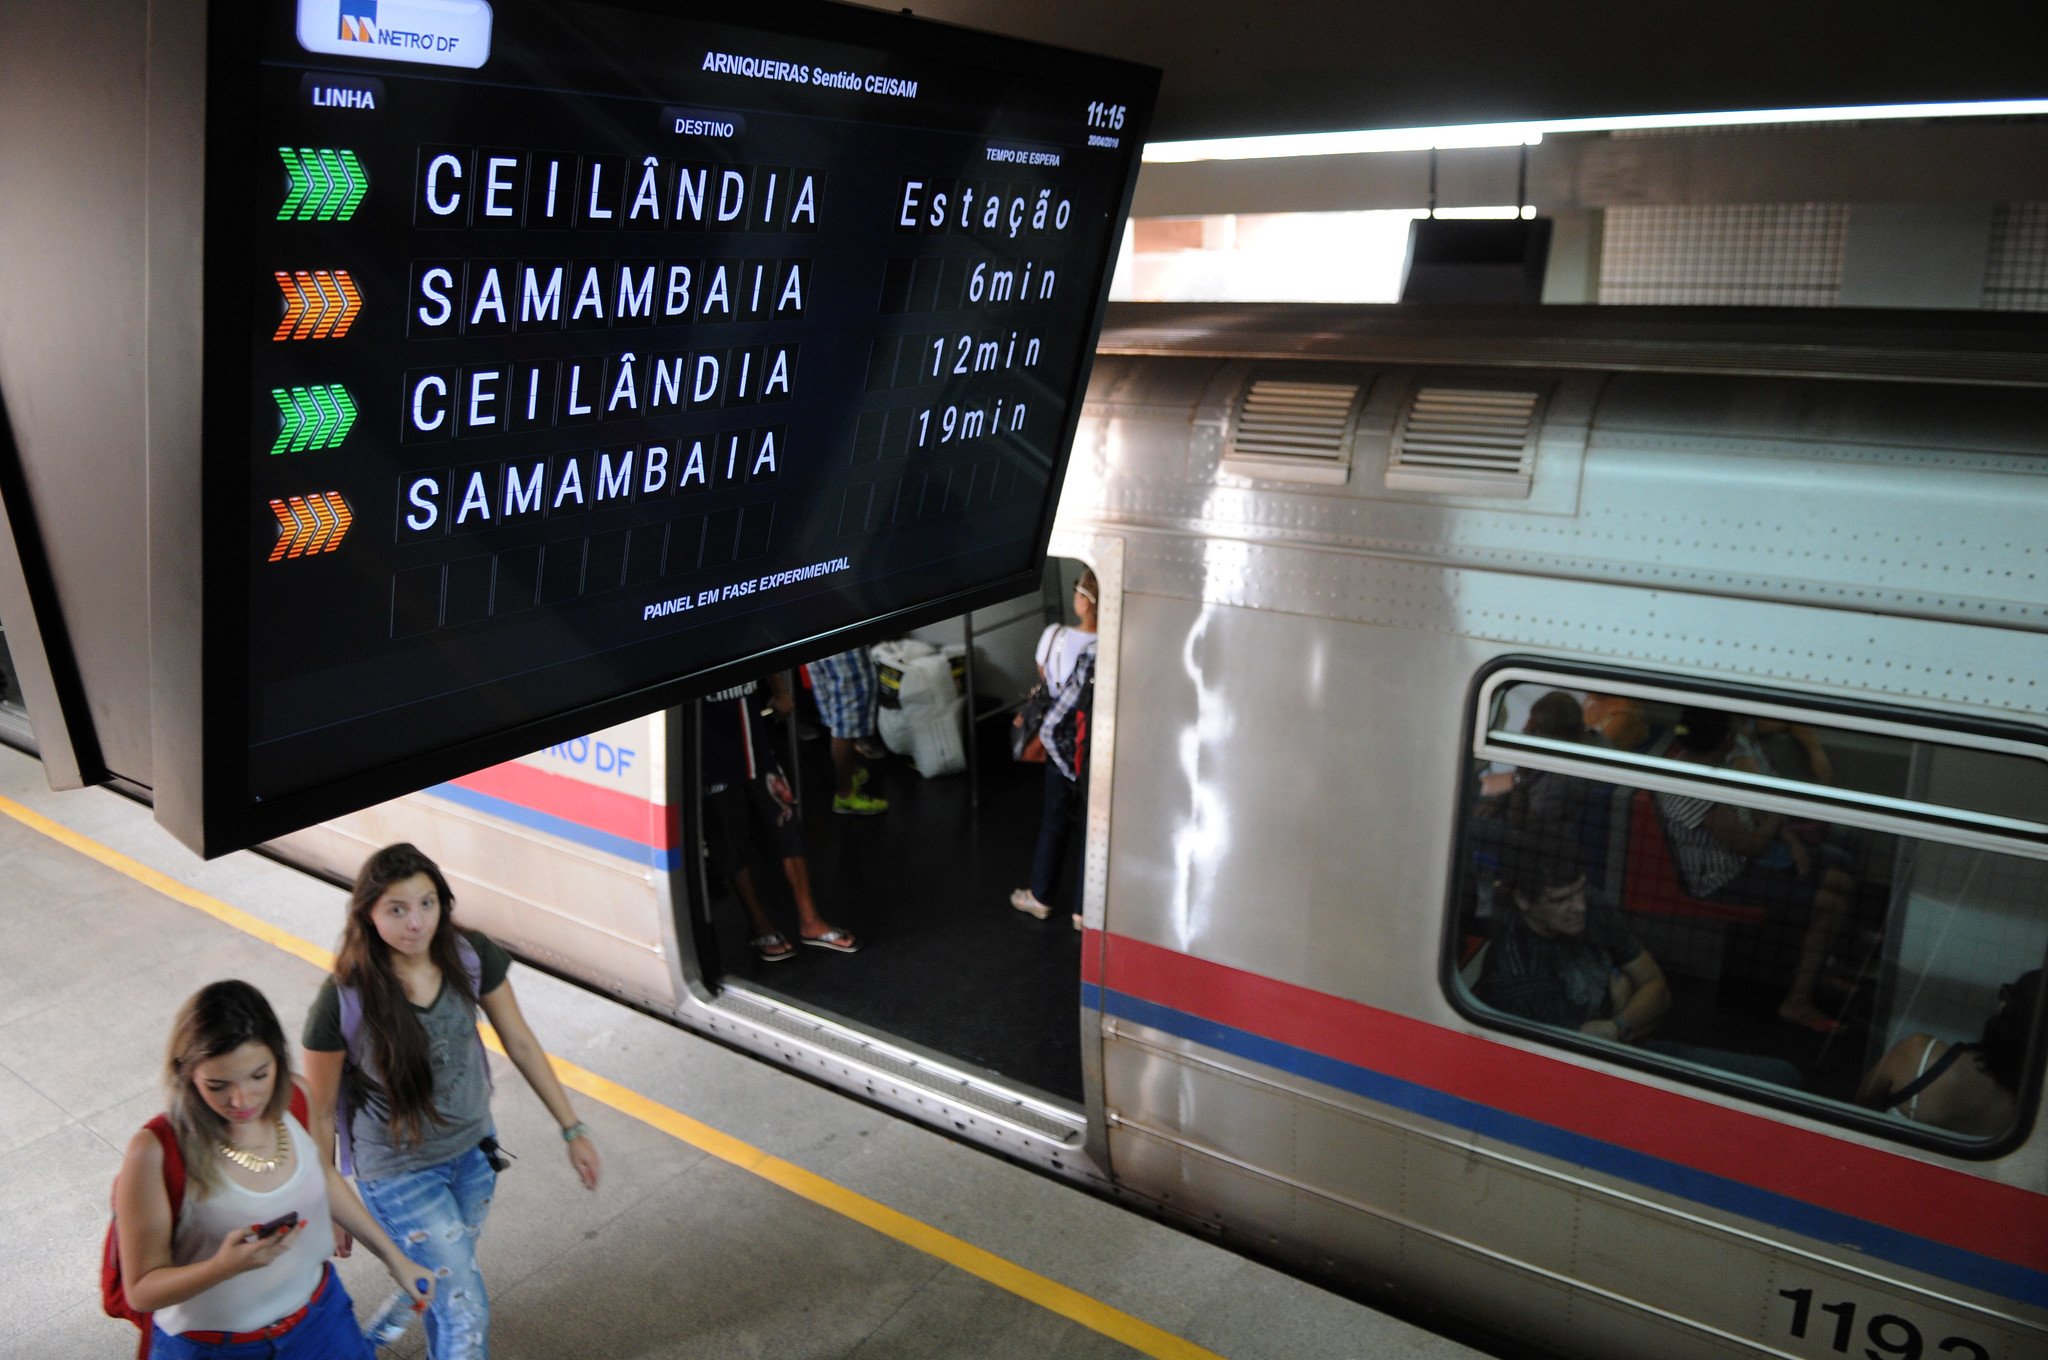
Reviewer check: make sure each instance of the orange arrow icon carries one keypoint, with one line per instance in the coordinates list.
(319, 304)
(310, 524)
(351, 302)
(294, 306)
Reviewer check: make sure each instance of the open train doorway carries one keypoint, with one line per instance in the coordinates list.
(927, 841)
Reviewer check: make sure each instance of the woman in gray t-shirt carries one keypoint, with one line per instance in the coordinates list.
(401, 1086)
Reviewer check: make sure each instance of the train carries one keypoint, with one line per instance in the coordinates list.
(1348, 556)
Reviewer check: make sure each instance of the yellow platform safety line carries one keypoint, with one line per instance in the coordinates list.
(1048, 1294)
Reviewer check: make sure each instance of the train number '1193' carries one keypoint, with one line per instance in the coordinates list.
(1890, 1336)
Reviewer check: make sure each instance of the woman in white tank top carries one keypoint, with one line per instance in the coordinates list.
(1059, 654)
(215, 1284)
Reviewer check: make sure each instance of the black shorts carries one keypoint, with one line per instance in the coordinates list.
(750, 819)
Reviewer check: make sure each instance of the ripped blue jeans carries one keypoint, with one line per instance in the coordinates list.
(434, 1215)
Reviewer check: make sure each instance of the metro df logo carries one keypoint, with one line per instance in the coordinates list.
(358, 21)
(431, 32)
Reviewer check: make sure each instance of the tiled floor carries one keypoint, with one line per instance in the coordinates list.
(677, 1253)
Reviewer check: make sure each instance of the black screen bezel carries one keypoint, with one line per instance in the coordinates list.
(230, 818)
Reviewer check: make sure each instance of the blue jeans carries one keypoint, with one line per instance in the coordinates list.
(434, 1215)
(1062, 797)
(328, 1332)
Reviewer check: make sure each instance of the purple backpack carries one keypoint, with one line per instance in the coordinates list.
(352, 1028)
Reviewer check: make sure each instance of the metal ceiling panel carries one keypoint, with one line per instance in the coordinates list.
(1234, 69)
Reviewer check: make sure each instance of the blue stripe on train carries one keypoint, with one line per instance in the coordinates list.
(635, 851)
(1764, 1206)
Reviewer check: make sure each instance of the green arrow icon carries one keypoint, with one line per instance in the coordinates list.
(346, 405)
(312, 417)
(319, 162)
(288, 410)
(330, 416)
(358, 184)
(298, 176)
(309, 417)
(330, 168)
(327, 184)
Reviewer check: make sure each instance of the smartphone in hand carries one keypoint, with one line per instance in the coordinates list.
(277, 1225)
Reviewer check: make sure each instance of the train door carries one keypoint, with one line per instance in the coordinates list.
(952, 961)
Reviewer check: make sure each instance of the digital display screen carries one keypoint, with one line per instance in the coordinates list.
(587, 349)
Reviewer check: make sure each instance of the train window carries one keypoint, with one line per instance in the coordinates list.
(1844, 911)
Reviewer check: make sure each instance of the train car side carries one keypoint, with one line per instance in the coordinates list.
(1295, 649)
(1281, 1059)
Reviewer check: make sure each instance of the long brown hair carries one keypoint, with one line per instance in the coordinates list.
(396, 1036)
(215, 1021)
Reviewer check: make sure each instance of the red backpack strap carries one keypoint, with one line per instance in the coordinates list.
(113, 1296)
(299, 1109)
(174, 1163)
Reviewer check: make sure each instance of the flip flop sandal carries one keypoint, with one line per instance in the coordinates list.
(773, 949)
(835, 939)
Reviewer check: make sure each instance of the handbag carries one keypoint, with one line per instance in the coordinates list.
(1025, 745)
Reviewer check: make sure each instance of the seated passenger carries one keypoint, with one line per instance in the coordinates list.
(1620, 722)
(1542, 797)
(1559, 962)
(1726, 854)
(1792, 749)
(1971, 1088)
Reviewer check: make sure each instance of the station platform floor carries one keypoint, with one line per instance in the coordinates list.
(743, 1211)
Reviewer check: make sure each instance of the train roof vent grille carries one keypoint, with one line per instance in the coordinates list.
(1469, 440)
(1287, 430)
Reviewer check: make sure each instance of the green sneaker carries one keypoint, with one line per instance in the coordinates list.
(858, 804)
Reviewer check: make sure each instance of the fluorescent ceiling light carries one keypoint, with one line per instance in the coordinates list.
(1530, 134)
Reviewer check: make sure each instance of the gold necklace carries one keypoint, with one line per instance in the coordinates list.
(251, 1161)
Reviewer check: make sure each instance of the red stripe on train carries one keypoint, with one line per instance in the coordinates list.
(2001, 1221)
(608, 810)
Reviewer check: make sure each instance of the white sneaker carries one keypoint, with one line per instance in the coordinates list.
(1023, 901)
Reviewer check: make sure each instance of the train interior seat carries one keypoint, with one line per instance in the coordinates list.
(1652, 886)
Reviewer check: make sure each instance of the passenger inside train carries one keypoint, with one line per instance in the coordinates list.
(1557, 961)
(750, 813)
(927, 891)
(1742, 879)
(1972, 1088)
(1058, 705)
(845, 686)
